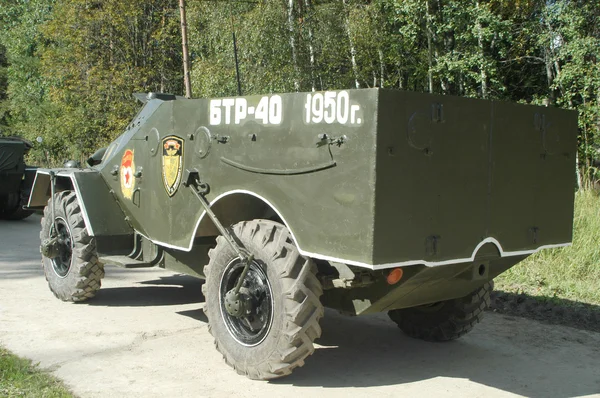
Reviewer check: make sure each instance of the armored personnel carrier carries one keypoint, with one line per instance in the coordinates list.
(15, 178)
(361, 200)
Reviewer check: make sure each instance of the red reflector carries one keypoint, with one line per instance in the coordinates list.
(394, 276)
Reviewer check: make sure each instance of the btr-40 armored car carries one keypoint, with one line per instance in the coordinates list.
(360, 200)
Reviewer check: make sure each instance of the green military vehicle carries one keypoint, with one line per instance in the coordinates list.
(360, 200)
(15, 178)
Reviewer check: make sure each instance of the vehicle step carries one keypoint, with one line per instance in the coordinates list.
(124, 262)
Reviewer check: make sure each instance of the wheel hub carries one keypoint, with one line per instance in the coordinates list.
(248, 315)
(50, 248)
(59, 247)
(238, 304)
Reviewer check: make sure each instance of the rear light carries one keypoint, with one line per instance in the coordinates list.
(394, 276)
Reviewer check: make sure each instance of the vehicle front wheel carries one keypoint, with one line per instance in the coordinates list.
(73, 273)
(445, 320)
(279, 300)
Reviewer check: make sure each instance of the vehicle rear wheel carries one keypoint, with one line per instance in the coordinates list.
(74, 273)
(445, 320)
(16, 211)
(280, 299)
(17, 214)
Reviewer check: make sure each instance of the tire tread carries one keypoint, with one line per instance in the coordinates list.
(456, 318)
(84, 259)
(303, 308)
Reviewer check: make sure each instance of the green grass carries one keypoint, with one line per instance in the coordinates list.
(571, 273)
(20, 378)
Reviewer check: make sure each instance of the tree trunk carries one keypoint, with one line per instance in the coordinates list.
(577, 170)
(352, 48)
(562, 88)
(598, 109)
(311, 49)
(292, 33)
(400, 78)
(482, 71)
(429, 47)
(162, 58)
(549, 75)
(381, 68)
(587, 180)
(184, 44)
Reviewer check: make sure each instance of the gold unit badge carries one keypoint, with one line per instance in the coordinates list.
(172, 163)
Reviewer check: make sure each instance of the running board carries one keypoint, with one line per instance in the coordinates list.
(125, 262)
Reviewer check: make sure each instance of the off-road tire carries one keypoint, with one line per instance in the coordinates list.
(296, 305)
(85, 272)
(18, 212)
(446, 320)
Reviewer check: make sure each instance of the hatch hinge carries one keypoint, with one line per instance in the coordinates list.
(437, 113)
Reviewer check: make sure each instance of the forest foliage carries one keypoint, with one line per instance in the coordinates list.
(68, 67)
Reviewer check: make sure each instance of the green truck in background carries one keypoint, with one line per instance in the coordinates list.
(359, 200)
(15, 178)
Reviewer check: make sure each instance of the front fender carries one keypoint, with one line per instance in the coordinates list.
(103, 216)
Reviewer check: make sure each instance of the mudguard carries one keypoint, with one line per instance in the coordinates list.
(103, 216)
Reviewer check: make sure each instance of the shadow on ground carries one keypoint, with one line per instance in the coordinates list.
(550, 310)
(506, 353)
(166, 290)
(20, 249)
(371, 351)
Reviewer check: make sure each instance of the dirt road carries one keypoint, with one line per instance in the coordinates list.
(145, 335)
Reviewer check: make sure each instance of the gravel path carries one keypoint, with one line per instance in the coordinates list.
(145, 335)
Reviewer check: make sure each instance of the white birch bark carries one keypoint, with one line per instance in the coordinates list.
(292, 33)
(429, 47)
(311, 49)
(352, 48)
(381, 68)
(482, 71)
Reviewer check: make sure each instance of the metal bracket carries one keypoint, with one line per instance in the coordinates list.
(200, 189)
(432, 245)
(327, 140)
(221, 139)
(534, 234)
(52, 192)
(437, 113)
(191, 178)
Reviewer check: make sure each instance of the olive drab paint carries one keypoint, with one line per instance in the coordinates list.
(372, 178)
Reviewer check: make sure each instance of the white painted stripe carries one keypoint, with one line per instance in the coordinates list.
(32, 187)
(357, 263)
(88, 224)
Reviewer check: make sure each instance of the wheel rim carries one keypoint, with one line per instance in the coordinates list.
(251, 328)
(62, 263)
